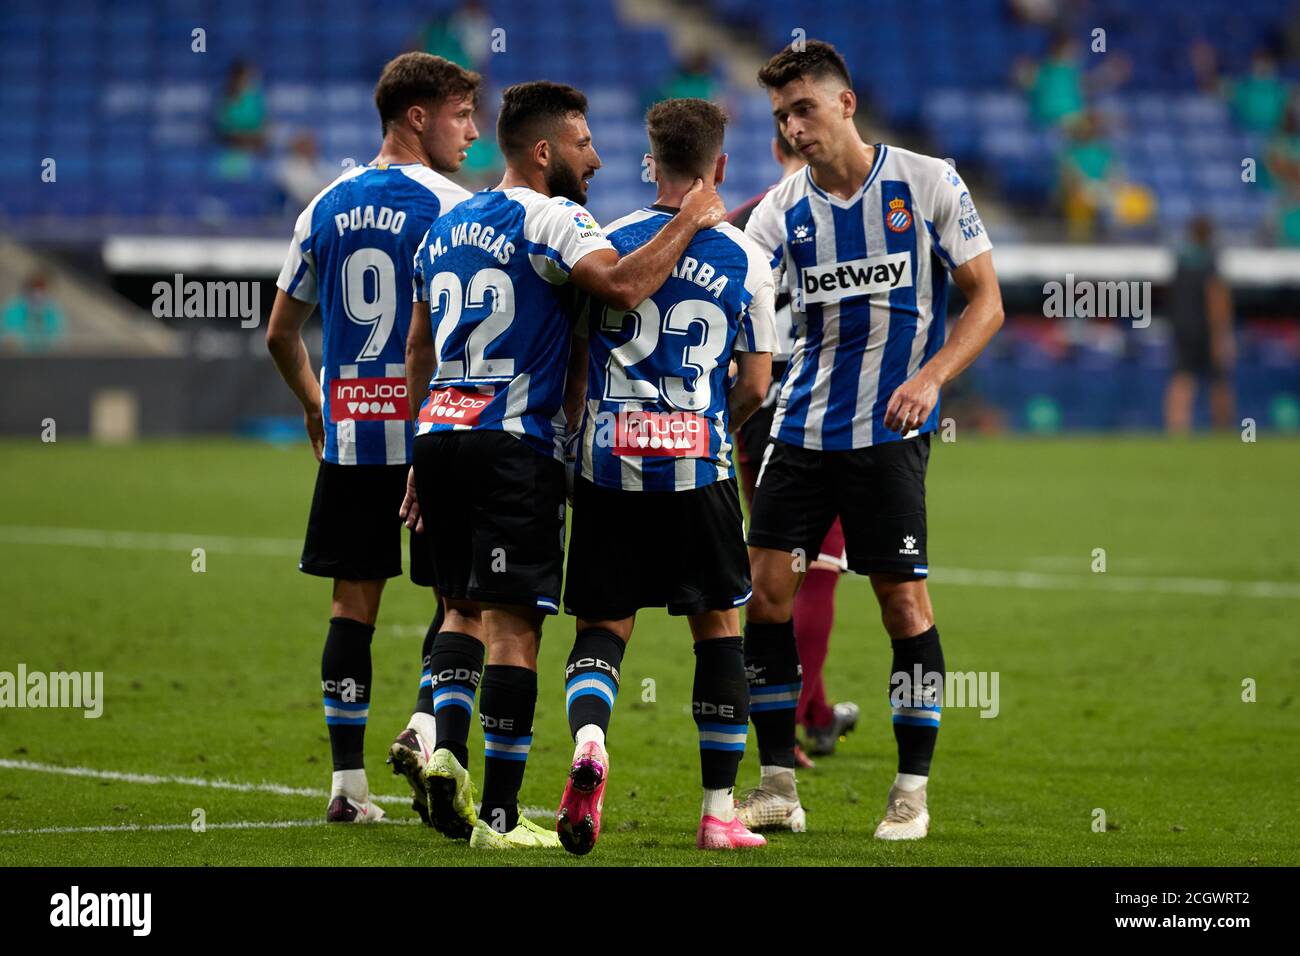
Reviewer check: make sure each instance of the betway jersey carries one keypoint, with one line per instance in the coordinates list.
(656, 414)
(493, 272)
(351, 252)
(869, 291)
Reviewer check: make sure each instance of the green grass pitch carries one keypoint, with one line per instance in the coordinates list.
(1119, 691)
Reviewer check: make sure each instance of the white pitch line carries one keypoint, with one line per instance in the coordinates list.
(969, 577)
(164, 827)
(1087, 581)
(148, 778)
(278, 789)
(147, 540)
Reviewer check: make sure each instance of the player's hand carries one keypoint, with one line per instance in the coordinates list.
(703, 206)
(911, 403)
(410, 510)
(315, 423)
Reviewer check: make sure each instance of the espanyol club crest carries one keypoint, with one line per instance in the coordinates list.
(899, 219)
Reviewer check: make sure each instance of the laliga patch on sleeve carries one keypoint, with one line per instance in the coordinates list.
(586, 226)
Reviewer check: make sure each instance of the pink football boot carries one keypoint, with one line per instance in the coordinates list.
(578, 819)
(716, 835)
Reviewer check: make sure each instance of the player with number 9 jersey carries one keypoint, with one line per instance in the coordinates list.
(351, 252)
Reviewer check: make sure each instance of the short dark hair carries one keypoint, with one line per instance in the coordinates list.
(531, 111)
(816, 60)
(685, 135)
(783, 144)
(418, 77)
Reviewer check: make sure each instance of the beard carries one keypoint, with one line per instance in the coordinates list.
(563, 180)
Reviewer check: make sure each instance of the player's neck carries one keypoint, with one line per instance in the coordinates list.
(397, 150)
(534, 180)
(672, 193)
(844, 175)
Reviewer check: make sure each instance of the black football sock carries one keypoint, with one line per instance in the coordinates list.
(591, 678)
(506, 712)
(720, 703)
(424, 697)
(345, 682)
(917, 707)
(772, 666)
(455, 668)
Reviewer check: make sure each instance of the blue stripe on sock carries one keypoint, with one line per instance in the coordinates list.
(593, 675)
(345, 705)
(772, 705)
(915, 721)
(724, 728)
(504, 739)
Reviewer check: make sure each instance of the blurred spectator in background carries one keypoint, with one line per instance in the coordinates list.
(1055, 86)
(1038, 13)
(240, 122)
(463, 36)
(241, 114)
(1259, 98)
(1282, 163)
(302, 173)
(692, 77)
(1200, 312)
(31, 321)
(1205, 65)
(1094, 189)
(1085, 169)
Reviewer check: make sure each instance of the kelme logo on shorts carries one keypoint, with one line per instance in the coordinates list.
(873, 276)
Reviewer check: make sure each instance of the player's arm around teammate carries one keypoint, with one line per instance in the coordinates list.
(489, 454)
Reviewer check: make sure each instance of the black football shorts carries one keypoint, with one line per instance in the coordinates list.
(683, 550)
(354, 532)
(878, 492)
(493, 513)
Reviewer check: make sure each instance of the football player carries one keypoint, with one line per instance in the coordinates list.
(493, 326)
(867, 236)
(656, 512)
(351, 253)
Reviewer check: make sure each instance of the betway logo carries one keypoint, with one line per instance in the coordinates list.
(873, 276)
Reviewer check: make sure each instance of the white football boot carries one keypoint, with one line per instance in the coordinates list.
(774, 804)
(906, 817)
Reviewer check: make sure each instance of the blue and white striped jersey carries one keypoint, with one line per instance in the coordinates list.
(656, 414)
(869, 291)
(351, 252)
(493, 272)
